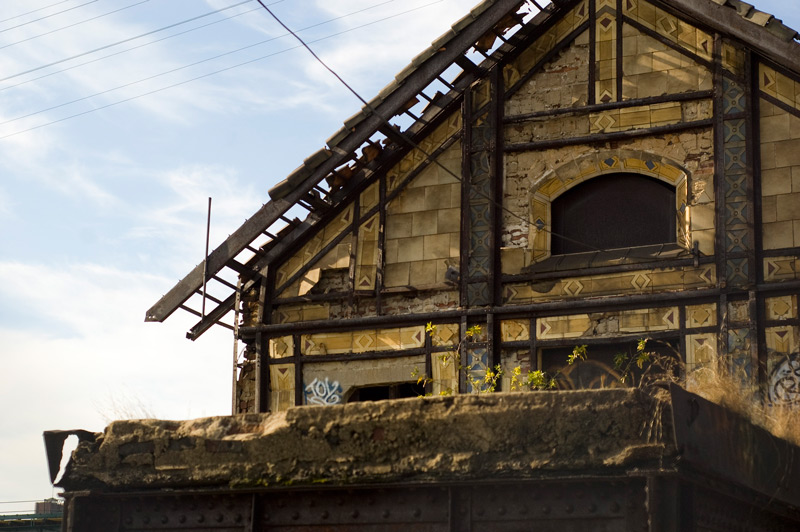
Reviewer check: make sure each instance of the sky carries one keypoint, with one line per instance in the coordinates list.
(118, 119)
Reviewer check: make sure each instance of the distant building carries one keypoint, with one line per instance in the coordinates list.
(46, 517)
(49, 506)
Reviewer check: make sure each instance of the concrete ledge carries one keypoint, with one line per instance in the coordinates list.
(458, 438)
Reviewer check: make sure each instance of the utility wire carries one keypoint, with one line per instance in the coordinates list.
(42, 18)
(123, 51)
(75, 24)
(408, 140)
(112, 104)
(34, 11)
(183, 67)
(107, 46)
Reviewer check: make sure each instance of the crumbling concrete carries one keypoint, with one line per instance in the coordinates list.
(459, 438)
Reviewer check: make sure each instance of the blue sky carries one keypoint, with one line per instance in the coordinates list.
(102, 213)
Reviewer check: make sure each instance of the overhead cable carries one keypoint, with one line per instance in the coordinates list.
(74, 24)
(34, 11)
(209, 74)
(42, 18)
(183, 67)
(107, 46)
(122, 51)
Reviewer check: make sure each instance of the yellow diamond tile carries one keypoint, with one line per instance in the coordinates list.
(281, 347)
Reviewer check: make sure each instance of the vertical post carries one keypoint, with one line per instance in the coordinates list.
(205, 259)
(237, 302)
(592, 52)
(262, 373)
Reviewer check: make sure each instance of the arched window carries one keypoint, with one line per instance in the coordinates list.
(612, 211)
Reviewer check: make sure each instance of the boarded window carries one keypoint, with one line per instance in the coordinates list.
(388, 391)
(613, 211)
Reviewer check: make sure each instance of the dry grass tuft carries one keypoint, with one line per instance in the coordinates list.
(735, 391)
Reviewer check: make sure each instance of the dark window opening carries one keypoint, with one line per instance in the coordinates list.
(613, 211)
(388, 391)
(599, 369)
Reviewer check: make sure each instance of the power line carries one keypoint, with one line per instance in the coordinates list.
(75, 24)
(35, 10)
(42, 18)
(112, 104)
(121, 51)
(405, 138)
(183, 67)
(107, 46)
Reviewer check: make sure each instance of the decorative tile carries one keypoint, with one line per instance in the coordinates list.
(701, 315)
(779, 86)
(477, 364)
(297, 313)
(735, 131)
(281, 378)
(782, 340)
(738, 272)
(478, 294)
(781, 308)
(738, 241)
(282, 347)
(446, 334)
(735, 159)
(733, 96)
(733, 58)
(701, 350)
(444, 368)
(563, 327)
(738, 342)
(780, 268)
(736, 213)
(515, 330)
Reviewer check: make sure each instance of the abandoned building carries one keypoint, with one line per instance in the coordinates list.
(612, 170)
(595, 173)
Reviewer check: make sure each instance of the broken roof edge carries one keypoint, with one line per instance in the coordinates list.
(738, 19)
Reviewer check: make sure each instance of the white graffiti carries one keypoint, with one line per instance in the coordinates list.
(323, 392)
(784, 384)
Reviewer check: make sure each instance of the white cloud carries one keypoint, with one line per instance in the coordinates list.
(86, 348)
(6, 207)
(181, 221)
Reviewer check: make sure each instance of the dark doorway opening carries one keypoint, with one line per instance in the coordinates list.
(600, 370)
(387, 391)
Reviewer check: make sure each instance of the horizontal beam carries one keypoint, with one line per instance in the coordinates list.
(533, 310)
(606, 137)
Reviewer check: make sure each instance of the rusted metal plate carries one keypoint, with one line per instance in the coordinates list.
(560, 507)
(220, 513)
(424, 509)
(713, 439)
